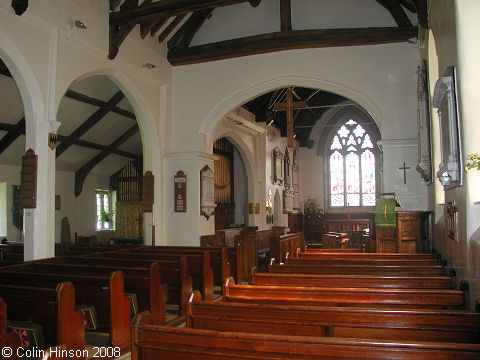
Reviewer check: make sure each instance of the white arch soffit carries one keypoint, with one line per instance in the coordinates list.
(212, 119)
(27, 84)
(148, 130)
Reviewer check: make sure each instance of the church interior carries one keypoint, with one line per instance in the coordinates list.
(274, 178)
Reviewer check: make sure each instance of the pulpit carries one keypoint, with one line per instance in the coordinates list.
(405, 237)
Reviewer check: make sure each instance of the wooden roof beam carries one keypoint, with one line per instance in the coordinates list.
(286, 15)
(89, 123)
(12, 135)
(82, 173)
(397, 12)
(78, 142)
(158, 25)
(297, 39)
(169, 8)
(170, 27)
(114, 4)
(91, 145)
(97, 102)
(20, 6)
(183, 37)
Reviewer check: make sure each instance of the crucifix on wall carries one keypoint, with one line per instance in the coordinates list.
(404, 168)
(289, 105)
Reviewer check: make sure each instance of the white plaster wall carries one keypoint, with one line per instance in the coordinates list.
(45, 56)
(312, 176)
(81, 210)
(380, 78)
(11, 176)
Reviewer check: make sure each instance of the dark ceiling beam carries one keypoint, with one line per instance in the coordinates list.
(114, 4)
(6, 127)
(169, 8)
(4, 69)
(97, 102)
(117, 33)
(158, 25)
(12, 135)
(422, 12)
(397, 12)
(183, 37)
(20, 6)
(82, 173)
(91, 145)
(90, 122)
(170, 27)
(286, 15)
(87, 144)
(297, 39)
(146, 25)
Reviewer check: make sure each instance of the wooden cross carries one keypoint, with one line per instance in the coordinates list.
(404, 168)
(289, 105)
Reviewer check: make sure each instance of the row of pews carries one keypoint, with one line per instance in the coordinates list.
(354, 306)
(49, 291)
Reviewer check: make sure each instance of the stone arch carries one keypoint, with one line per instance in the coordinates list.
(242, 96)
(33, 101)
(145, 118)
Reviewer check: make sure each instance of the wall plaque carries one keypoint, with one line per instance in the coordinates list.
(180, 192)
(207, 197)
(147, 192)
(29, 180)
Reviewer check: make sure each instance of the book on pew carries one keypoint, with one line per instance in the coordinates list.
(30, 334)
(90, 321)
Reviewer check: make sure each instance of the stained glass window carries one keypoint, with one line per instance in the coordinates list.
(352, 166)
(103, 204)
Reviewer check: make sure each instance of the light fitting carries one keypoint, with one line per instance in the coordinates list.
(79, 24)
(148, 66)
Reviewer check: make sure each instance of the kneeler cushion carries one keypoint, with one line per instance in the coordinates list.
(30, 334)
(91, 317)
(133, 303)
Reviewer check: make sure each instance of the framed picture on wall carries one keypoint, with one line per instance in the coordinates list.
(277, 158)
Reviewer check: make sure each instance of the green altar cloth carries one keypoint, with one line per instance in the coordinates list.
(385, 212)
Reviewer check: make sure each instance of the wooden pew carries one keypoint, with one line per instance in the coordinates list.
(219, 258)
(138, 277)
(409, 325)
(356, 297)
(53, 308)
(331, 251)
(152, 342)
(280, 245)
(199, 265)
(360, 261)
(345, 254)
(369, 281)
(431, 270)
(105, 293)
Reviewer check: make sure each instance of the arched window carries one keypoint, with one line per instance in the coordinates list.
(352, 165)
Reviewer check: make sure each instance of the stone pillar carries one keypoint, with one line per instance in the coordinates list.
(39, 223)
(185, 228)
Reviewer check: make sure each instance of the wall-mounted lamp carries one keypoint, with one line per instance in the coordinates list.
(148, 66)
(80, 25)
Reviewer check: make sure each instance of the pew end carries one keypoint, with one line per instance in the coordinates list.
(251, 279)
(225, 289)
(195, 297)
(137, 321)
